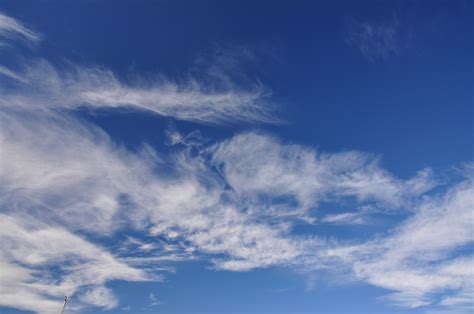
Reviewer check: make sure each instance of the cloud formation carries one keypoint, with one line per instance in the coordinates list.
(257, 165)
(11, 29)
(67, 188)
(42, 86)
(424, 257)
(375, 40)
(40, 263)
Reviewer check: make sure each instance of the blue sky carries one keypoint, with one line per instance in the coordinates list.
(236, 156)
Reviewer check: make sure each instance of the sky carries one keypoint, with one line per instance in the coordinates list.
(236, 156)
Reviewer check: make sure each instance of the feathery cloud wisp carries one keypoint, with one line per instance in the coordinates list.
(376, 41)
(11, 29)
(421, 258)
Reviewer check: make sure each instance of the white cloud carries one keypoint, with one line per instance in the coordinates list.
(375, 40)
(13, 29)
(257, 165)
(192, 100)
(423, 257)
(345, 218)
(99, 296)
(12, 75)
(154, 300)
(67, 173)
(41, 263)
(56, 168)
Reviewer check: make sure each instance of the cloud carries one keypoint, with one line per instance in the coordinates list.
(11, 75)
(40, 263)
(11, 29)
(100, 188)
(154, 300)
(42, 86)
(258, 166)
(375, 40)
(69, 174)
(83, 192)
(426, 259)
(344, 218)
(100, 296)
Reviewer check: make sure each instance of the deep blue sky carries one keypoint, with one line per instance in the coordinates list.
(413, 107)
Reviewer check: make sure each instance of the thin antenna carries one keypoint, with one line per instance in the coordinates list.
(64, 304)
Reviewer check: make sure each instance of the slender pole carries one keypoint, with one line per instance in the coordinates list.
(64, 304)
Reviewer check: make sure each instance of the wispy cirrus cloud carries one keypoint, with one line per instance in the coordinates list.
(423, 257)
(344, 218)
(375, 40)
(256, 165)
(30, 248)
(154, 300)
(11, 29)
(48, 88)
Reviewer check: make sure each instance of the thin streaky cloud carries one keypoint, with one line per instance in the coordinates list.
(416, 260)
(375, 40)
(95, 87)
(12, 29)
(11, 74)
(345, 218)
